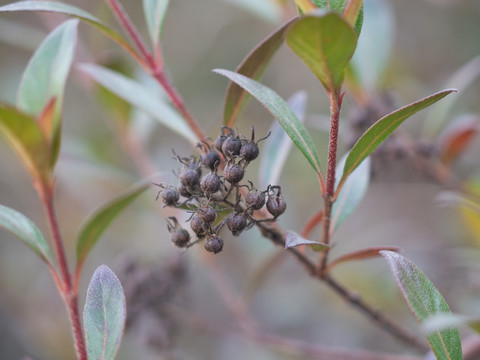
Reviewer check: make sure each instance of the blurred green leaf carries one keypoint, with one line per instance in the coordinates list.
(461, 80)
(424, 301)
(304, 6)
(374, 44)
(27, 139)
(104, 315)
(154, 11)
(282, 112)
(45, 78)
(338, 6)
(277, 147)
(252, 66)
(379, 131)
(26, 231)
(293, 239)
(70, 10)
(268, 10)
(352, 192)
(137, 95)
(326, 43)
(98, 221)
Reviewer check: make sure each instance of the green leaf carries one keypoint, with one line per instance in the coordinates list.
(61, 8)
(46, 75)
(424, 301)
(154, 11)
(374, 44)
(27, 139)
(293, 239)
(252, 66)
(26, 231)
(277, 147)
(282, 112)
(326, 43)
(338, 6)
(352, 192)
(104, 315)
(137, 95)
(100, 218)
(379, 131)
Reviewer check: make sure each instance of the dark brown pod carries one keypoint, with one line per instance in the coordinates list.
(236, 223)
(255, 199)
(213, 244)
(233, 173)
(197, 225)
(180, 238)
(210, 183)
(207, 214)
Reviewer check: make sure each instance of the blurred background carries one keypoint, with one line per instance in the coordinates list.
(177, 303)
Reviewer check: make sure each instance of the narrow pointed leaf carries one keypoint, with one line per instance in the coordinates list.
(252, 66)
(25, 136)
(154, 11)
(70, 10)
(282, 112)
(104, 315)
(366, 253)
(352, 192)
(326, 44)
(424, 301)
(26, 231)
(45, 78)
(293, 239)
(379, 131)
(137, 95)
(277, 147)
(99, 219)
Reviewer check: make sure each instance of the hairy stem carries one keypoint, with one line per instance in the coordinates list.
(64, 283)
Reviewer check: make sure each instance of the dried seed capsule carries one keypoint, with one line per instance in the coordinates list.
(210, 183)
(189, 177)
(211, 159)
(219, 142)
(180, 238)
(276, 205)
(170, 196)
(233, 173)
(182, 190)
(236, 223)
(213, 243)
(255, 199)
(231, 146)
(197, 225)
(249, 151)
(207, 214)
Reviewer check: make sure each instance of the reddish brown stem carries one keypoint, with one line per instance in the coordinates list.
(132, 31)
(335, 107)
(64, 283)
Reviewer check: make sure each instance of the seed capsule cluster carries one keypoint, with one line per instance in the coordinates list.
(210, 188)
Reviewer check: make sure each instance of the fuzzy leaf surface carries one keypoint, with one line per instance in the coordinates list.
(99, 219)
(252, 66)
(45, 78)
(25, 136)
(280, 111)
(379, 131)
(137, 95)
(325, 43)
(104, 315)
(27, 231)
(277, 147)
(424, 301)
(154, 12)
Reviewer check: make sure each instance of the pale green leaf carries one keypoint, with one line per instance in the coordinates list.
(292, 239)
(133, 92)
(104, 315)
(425, 301)
(154, 12)
(26, 231)
(338, 6)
